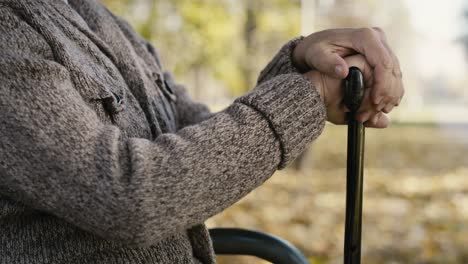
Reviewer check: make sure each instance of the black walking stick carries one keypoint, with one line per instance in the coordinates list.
(354, 93)
(244, 242)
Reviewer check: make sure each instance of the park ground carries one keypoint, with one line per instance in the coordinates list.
(415, 198)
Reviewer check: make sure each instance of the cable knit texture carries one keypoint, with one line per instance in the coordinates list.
(104, 159)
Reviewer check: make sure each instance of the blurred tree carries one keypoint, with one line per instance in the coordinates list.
(224, 40)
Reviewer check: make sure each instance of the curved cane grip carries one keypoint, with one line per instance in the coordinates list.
(354, 89)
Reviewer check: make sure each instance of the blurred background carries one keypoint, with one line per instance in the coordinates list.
(416, 178)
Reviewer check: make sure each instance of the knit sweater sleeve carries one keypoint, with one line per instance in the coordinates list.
(57, 156)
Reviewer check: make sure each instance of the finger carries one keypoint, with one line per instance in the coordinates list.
(396, 63)
(390, 96)
(388, 108)
(360, 62)
(379, 120)
(390, 104)
(402, 92)
(372, 120)
(380, 106)
(365, 41)
(368, 42)
(398, 90)
(363, 117)
(366, 103)
(331, 64)
(383, 121)
(367, 110)
(392, 100)
(399, 101)
(383, 88)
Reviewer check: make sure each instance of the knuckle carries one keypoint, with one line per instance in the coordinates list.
(375, 98)
(368, 33)
(393, 98)
(402, 94)
(379, 30)
(387, 109)
(396, 68)
(381, 33)
(383, 93)
(399, 102)
(397, 73)
(397, 61)
(387, 62)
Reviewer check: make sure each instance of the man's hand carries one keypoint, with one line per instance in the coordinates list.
(325, 51)
(332, 93)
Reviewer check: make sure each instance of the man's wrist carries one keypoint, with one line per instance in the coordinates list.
(317, 81)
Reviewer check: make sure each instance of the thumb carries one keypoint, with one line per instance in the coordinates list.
(331, 64)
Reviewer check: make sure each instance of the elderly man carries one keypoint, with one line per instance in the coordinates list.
(104, 159)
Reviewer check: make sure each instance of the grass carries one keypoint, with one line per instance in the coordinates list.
(415, 198)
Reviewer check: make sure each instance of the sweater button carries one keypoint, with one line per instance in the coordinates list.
(114, 104)
(169, 90)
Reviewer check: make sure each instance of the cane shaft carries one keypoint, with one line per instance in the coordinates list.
(354, 93)
(354, 188)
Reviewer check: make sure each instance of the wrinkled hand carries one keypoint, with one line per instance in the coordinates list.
(332, 93)
(325, 51)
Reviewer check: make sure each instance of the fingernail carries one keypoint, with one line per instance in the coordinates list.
(339, 70)
(378, 100)
(364, 117)
(380, 106)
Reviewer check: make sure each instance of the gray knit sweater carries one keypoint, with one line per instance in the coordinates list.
(104, 159)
